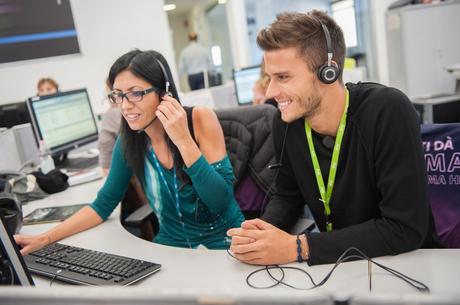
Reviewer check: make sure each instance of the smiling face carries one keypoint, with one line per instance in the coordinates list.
(294, 87)
(137, 114)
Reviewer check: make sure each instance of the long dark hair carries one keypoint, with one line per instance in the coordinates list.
(144, 64)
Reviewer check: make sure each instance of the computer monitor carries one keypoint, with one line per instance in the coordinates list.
(14, 114)
(244, 80)
(13, 270)
(64, 120)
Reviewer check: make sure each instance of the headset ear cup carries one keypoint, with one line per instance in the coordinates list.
(328, 74)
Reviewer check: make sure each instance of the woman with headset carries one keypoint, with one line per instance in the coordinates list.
(177, 153)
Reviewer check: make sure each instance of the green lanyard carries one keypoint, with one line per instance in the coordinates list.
(326, 194)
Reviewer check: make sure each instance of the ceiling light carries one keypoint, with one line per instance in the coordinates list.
(222, 1)
(169, 7)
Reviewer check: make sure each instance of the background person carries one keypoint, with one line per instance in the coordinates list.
(47, 86)
(195, 60)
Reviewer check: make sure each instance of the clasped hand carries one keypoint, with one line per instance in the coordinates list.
(260, 243)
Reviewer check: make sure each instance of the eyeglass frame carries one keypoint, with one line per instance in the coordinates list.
(124, 95)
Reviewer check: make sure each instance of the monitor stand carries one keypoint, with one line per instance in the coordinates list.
(76, 162)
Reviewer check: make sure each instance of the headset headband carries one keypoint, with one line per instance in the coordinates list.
(162, 67)
(328, 43)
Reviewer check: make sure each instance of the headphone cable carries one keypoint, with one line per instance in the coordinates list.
(344, 257)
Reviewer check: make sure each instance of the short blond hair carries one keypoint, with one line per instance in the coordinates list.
(48, 80)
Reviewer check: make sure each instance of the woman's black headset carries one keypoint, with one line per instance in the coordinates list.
(166, 77)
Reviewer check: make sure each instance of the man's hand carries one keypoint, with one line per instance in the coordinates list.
(260, 243)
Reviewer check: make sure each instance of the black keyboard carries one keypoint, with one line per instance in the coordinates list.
(87, 267)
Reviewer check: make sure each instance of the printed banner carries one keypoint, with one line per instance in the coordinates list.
(441, 145)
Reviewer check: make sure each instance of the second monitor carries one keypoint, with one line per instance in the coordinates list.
(245, 79)
(64, 120)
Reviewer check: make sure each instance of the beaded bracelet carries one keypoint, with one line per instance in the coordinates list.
(299, 249)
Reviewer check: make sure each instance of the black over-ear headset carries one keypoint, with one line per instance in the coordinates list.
(328, 73)
(167, 83)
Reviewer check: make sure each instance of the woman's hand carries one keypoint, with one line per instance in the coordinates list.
(174, 119)
(31, 243)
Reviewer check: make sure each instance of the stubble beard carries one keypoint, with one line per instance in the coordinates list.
(312, 106)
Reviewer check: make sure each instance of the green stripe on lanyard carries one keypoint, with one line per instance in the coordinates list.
(326, 194)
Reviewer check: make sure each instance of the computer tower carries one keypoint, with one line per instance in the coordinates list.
(19, 148)
(26, 144)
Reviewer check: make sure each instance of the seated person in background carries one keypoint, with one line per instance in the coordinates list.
(374, 192)
(260, 88)
(178, 155)
(110, 126)
(46, 86)
(108, 133)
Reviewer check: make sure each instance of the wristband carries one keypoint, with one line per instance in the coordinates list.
(299, 249)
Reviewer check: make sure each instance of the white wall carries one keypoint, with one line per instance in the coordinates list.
(179, 36)
(106, 30)
(378, 10)
(238, 30)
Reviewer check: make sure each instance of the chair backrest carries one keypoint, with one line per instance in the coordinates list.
(248, 138)
(441, 145)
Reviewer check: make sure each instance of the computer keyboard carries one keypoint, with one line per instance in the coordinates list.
(87, 267)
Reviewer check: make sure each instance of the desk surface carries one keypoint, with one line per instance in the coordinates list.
(204, 272)
(437, 100)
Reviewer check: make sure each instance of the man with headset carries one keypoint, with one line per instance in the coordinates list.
(352, 153)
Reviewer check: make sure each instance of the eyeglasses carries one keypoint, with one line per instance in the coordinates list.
(132, 96)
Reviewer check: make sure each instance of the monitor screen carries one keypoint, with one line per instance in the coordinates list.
(64, 120)
(245, 79)
(36, 29)
(13, 270)
(14, 114)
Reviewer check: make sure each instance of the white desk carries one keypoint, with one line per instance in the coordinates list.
(214, 272)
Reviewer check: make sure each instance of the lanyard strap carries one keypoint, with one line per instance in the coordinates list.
(176, 192)
(327, 193)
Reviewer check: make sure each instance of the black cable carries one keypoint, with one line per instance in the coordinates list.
(279, 165)
(55, 276)
(344, 257)
(266, 268)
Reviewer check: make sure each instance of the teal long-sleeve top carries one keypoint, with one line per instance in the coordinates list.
(207, 206)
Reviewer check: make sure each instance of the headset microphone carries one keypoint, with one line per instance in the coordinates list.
(145, 127)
